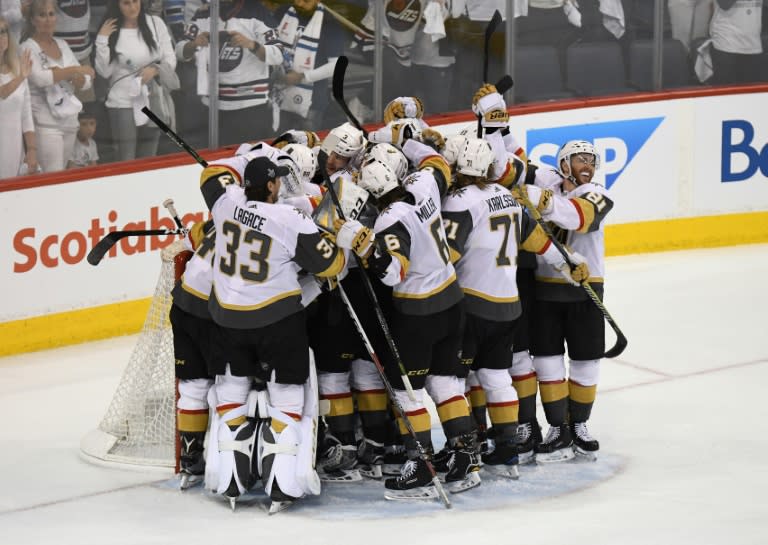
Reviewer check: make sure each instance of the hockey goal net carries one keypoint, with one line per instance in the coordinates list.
(139, 427)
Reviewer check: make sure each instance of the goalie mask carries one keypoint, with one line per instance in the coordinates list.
(345, 140)
(576, 147)
(290, 185)
(389, 154)
(377, 178)
(475, 157)
(304, 158)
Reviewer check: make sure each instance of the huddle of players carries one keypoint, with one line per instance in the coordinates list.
(471, 287)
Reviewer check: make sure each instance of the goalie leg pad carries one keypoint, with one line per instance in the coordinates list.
(287, 458)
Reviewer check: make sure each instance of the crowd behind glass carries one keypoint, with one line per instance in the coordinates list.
(74, 74)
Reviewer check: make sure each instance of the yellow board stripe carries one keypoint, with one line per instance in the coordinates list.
(125, 318)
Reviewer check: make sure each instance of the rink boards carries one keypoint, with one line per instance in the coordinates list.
(685, 172)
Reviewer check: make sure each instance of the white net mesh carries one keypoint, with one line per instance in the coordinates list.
(140, 424)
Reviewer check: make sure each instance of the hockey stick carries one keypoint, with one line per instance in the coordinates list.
(621, 340)
(489, 30)
(168, 203)
(321, 159)
(391, 392)
(173, 136)
(98, 252)
(338, 91)
(338, 95)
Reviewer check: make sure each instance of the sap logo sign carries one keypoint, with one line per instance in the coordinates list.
(737, 139)
(617, 142)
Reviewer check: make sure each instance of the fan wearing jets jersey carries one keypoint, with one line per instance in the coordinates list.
(260, 247)
(563, 314)
(486, 229)
(407, 250)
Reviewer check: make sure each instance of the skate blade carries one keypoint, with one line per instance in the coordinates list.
(420, 493)
(371, 472)
(502, 470)
(562, 455)
(278, 506)
(585, 455)
(188, 481)
(526, 458)
(341, 476)
(472, 480)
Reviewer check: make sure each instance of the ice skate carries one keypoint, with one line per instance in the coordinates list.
(370, 457)
(557, 446)
(394, 458)
(503, 460)
(527, 437)
(584, 445)
(191, 462)
(337, 462)
(414, 483)
(463, 470)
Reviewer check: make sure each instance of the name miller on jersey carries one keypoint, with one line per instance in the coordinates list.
(249, 218)
(426, 210)
(500, 202)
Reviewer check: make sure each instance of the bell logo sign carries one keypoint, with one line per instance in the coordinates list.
(740, 159)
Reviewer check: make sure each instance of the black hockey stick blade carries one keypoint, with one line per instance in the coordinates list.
(339, 72)
(98, 252)
(621, 343)
(504, 84)
(175, 138)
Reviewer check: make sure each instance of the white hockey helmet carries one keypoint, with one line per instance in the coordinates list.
(575, 147)
(304, 158)
(452, 148)
(290, 185)
(389, 154)
(377, 177)
(345, 140)
(475, 157)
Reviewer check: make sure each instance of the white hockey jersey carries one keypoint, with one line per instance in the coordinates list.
(422, 277)
(578, 217)
(192, 292)
(243, 77)
(486, 228)
(259, 250)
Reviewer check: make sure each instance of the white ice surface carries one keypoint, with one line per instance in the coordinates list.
(680, 417)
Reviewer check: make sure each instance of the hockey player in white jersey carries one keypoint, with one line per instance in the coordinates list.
(260, 247)
(407, 249)
(510, 168)
(486, 229)
(564, 314)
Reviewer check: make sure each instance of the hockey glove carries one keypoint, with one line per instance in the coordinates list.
(404, 131)
(538, 197)
(578, 272)
(353, 235)
(433, 139)
(489, 105)
(403, 107)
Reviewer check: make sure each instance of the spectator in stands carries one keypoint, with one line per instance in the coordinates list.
(132, 49)
(549, 22)
(55, 76)
(13, 12)
(245, 53)
(85, 152)
(690, 19)
(312, 40)
(736, 44)
(72, 20)
(17, 130)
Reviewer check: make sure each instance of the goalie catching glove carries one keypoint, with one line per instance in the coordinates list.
(353, 235)
(489, 105)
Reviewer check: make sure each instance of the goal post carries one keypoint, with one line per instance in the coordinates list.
(139, 427)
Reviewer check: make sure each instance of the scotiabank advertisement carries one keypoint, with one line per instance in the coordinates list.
(660, 160)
